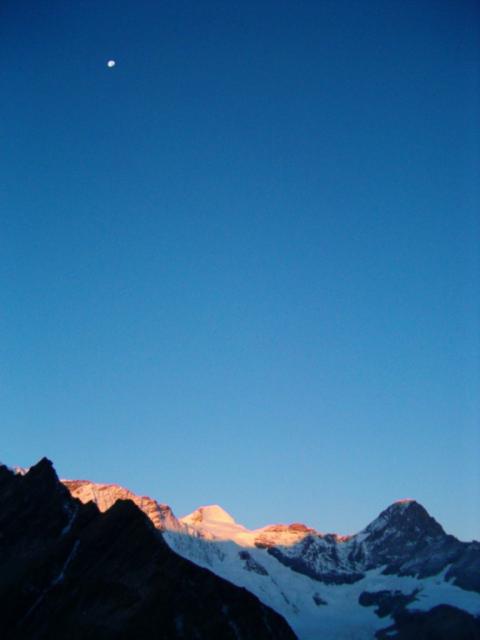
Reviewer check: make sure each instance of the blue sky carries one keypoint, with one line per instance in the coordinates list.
(242, 267)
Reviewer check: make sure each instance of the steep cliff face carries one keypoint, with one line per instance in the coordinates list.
(69, 571)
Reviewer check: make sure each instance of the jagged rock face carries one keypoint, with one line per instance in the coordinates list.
(403, 530)
(69, 571)
(321, 558)
(105, 496)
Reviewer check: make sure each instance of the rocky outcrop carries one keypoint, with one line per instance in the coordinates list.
(69, 571)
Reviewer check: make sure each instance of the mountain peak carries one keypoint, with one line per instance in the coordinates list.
(406, 516)
(214, 523)
(41, 473)
(404, 507)
(209, 513)
(409, 508)
(44, 464)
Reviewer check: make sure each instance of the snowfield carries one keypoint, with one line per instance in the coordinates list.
(293, 595)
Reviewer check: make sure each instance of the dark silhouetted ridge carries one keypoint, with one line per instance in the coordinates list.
(69, 571)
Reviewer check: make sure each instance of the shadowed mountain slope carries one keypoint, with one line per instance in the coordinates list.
(69, 571)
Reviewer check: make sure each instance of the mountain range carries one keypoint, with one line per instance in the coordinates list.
(325, 585)
(401, 577)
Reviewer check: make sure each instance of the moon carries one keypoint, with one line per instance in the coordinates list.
(111, 63)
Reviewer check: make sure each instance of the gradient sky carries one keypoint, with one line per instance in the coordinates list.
(242, 267)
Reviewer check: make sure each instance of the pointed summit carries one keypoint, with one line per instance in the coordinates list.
(44, 464)
(41, 474)
(401, 531)
(406, 516)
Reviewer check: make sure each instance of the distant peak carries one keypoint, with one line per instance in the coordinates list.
(405, 514)
(209, 513)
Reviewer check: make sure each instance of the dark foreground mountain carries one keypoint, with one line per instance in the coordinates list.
(68, 571)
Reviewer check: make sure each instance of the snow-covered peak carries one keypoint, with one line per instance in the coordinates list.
(210, 514)
(214, 523)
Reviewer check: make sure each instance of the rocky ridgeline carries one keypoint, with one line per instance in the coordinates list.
(105, 496)
(404, 538)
